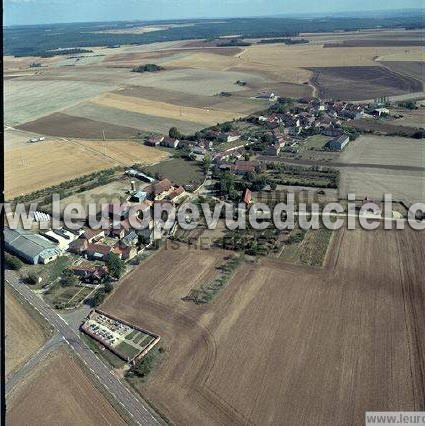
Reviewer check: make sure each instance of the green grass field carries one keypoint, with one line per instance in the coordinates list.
(179, 171)
(309, 249)
(227, 145)
(315, 142)
(62, 297)
(104, 353)
(127, 350)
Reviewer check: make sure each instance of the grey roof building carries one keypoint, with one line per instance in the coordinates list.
(129, 239)
(339, 143)
(32, 248)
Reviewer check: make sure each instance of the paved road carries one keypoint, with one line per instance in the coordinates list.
(136, 409)
(338, 164)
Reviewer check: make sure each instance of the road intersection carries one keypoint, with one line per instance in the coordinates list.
(137, 409)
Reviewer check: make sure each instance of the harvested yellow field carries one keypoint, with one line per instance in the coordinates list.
(24, 335)
(205, 60)
(317, 56)
(408, 55)
(46, 164)
(12, 63)
(128, 152)
(163, 109)
(143, 29)
(31, 167)
(288, 63)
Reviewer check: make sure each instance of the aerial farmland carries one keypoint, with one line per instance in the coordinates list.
(104, 99)
(277, 317)
(65, 386)
(230, 319)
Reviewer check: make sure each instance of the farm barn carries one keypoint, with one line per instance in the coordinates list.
(32, 248)
(339, 143)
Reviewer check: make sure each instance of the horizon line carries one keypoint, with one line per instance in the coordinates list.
(294, 15)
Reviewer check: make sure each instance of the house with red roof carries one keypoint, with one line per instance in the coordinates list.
(98, 251)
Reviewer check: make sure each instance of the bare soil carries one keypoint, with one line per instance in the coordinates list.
(59, 392)
(411, 68)
(362, 82)
(68, 126)
(284, 343)
(383, 127)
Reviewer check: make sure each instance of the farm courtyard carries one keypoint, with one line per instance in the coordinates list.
(282, 340)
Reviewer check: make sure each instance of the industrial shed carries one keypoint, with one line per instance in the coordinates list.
(32, 248)
(339, 143)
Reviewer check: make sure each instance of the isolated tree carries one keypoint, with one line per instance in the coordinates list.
(419, 134)
(174, 133)
(98, 297)
(115, 265)
(206, 163)
(108, 287)
(144, 365)
(12, 262)
(32, 278)
(68, 278)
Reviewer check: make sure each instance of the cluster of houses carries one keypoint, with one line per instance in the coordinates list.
(324, 117)
(120, 237)
(285, 128)
(116, 234)
(197, 148)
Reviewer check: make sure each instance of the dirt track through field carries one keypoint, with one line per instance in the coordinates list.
(24, 334)
(59, 391)
(285, 343)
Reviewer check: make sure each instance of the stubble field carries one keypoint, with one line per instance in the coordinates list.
(384, 150)
(24, 333)
(285, 343)
(69, 126)
(404, 186)
(60, 384)
(404, 176)
(164, 109)
(27, 100)
(135, 121)
(32, 166)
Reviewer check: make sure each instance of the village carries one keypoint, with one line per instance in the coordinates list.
(239, 162)
(281, 128)
(213, 213)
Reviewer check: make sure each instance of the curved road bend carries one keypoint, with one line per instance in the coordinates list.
(136, 409)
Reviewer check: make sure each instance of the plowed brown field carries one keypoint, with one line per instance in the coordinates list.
(285, 344)
(59, 392)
